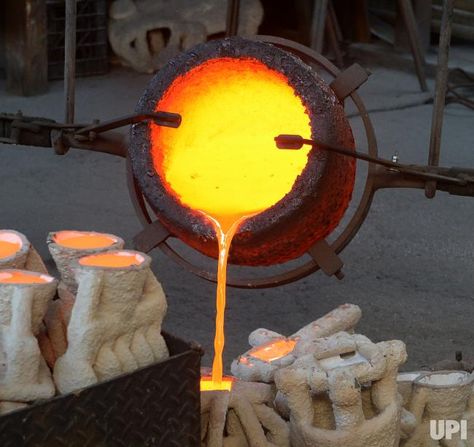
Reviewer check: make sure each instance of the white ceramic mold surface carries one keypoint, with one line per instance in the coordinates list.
(115, 324)
(243, 417)
(248, 367)
(441, 396)
(405, 382)
(24, 375)
(25, 257)
(448, 378)
(339, 400)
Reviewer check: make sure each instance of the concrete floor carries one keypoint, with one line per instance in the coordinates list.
(410, 267)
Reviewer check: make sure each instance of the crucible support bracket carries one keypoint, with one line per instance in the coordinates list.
(349, 80)
(150, 237)
(327, 259)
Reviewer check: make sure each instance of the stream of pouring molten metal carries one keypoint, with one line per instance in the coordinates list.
(222, 160)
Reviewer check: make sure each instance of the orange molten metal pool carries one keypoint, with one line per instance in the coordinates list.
(209, 384)
(113, 259)
(22, 277)
(10, 243)
(273, 350)
(222, 160)
(8, 248)
(83, 240)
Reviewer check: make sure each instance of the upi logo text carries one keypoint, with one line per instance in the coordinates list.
(445, 429)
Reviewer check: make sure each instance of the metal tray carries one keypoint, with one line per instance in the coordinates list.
(158, 405)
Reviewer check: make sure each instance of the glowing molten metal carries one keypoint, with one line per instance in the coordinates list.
(113, 259)
(273, 350)
(10, 243)
(83, 240)
(222, 159)
(23, 277)
(208, 384)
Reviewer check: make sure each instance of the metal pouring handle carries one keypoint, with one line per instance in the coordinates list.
(462, 178)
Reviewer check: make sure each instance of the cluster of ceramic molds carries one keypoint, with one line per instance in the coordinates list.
(438, 396)
(344, 393)
(335, 388)
(242, 417)
(115, 324)
(18, 253)
(250, 367)
(24, 375)
(107, 320)
(66, 248)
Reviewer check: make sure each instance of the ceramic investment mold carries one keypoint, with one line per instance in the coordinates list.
(344, 393)
(242, 417)
(16, 252)
(115, 324)
(441, 396)
(67, 246)
(24, 298)
(272, 351)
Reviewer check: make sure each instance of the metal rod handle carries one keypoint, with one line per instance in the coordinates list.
(232, 22)
(70, 60)
(294, 142)
(440, 91)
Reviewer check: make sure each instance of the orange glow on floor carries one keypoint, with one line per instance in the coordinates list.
(273, 350)
(207, 384)
(113, 259)
(223, 159)
(22, 277)
(83, 239)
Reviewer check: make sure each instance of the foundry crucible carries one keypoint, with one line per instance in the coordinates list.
(234, 96)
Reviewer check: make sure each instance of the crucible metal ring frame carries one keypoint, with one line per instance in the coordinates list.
(323, 254)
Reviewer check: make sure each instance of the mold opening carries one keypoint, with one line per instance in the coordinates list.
(444, 379)
(408, 376)
(10, 243)
(273, 350)
(207, 384)
(23, 277)
(83, 240)
(113, 259)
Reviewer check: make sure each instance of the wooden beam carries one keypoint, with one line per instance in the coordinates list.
(423, 15)
(26, 46)
(318, 26)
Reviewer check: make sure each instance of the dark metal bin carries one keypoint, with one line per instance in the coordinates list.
(158, 405)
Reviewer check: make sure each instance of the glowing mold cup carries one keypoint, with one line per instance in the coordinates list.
(234, 96)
